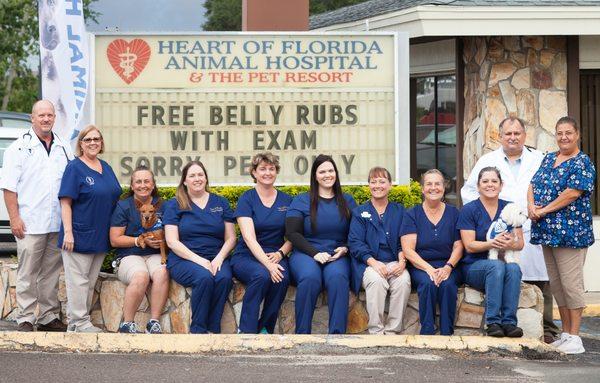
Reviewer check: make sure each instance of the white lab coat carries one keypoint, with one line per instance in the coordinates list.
(35, 176)
(514, 190)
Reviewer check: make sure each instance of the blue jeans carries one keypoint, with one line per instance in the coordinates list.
(501, 283)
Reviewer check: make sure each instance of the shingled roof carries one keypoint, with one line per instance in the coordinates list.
(378, 7)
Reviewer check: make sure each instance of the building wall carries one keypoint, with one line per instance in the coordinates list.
(433, 57)
(524, 76)
(589, 54)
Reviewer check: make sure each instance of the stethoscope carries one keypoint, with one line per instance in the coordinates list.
(28, 134)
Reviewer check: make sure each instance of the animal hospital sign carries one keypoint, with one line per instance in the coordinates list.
(163, 100)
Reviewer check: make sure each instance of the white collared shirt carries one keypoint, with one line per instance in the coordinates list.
(35, 176)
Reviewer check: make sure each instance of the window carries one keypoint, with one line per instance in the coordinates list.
(4, 143)
(433, 136)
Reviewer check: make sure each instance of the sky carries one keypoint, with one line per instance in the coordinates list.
(148, 15)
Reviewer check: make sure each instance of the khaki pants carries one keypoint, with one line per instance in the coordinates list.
(37, 278)
(81, 274)
(565, 270)
(376, 288)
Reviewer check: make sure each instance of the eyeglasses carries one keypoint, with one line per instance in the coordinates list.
(87, 140)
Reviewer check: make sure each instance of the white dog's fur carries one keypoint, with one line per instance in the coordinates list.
(512, 216)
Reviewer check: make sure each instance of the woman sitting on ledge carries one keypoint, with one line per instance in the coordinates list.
(259, 259)
(200, 233)
(431, 243)
(500, 281)
(377, 259)
(139, 266)
(317, 225)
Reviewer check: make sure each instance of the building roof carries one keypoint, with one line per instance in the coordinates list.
(378, 7)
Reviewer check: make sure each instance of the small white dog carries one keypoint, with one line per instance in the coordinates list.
(512, 216)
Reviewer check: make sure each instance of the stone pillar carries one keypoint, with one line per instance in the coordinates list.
(525, 76)
(274, 15)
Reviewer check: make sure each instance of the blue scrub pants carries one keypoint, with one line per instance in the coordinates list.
(431, 295)
(310, 277)
(209, 293)
(259, 287)
(501, 283)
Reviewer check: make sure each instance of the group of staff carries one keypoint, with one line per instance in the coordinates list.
(320, 240)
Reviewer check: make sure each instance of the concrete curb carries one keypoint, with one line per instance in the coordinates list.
(192, 344)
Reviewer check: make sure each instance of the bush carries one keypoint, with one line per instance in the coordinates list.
(408, 195)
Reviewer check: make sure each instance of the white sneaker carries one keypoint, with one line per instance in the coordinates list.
(573, 345)
(562, 339)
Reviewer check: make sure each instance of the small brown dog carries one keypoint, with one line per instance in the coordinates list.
(153, 225)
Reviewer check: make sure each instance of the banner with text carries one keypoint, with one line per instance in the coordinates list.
(163, 100)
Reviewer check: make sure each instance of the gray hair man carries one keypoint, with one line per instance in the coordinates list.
(32, 171)
(517, 164)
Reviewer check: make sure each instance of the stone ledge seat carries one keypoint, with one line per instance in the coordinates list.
(109, 295)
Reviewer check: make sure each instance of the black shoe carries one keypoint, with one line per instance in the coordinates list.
(494, 330)
(25, 327)
(512, 331)
(53, 326)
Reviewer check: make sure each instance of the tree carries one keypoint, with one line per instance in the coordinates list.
(19, 86)
(226, 15)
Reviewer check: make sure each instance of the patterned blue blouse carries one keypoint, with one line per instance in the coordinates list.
(570, 226)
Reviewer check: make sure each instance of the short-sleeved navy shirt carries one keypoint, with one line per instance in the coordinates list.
(94, 196)
(269, 222)
(473, 216)
(200, 230)
(127, 215)
(331, 229)
(434, 242)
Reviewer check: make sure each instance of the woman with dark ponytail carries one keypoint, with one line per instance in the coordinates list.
(317, 224)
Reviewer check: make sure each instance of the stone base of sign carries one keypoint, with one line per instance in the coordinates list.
(109, 295)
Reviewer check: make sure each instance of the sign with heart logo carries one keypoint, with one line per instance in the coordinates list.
(128, 59)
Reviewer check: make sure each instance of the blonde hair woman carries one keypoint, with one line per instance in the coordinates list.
(88, 194)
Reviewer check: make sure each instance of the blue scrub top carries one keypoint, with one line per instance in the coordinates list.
(473, 216)
(94, 196)
(269, 222)
(128, 216)
(331, 229)
(434, 242)
(200, 230)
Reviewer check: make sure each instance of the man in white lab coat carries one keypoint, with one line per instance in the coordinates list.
(517, 164)
(32, 172)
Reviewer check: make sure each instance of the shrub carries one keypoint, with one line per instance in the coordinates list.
(408, 195)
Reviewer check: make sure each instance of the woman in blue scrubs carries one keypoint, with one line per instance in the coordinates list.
(431, 243)
(259, 260)
(88, 194)
(317, 225)
(378, 263)
(500, 281)
(140, 267)
(199, 230)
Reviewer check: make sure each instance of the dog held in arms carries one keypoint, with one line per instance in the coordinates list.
(512, 216)
(152, 226)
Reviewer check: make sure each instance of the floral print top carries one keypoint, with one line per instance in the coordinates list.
(570, 226)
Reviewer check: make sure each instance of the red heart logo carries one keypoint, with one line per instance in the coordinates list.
(128, 59)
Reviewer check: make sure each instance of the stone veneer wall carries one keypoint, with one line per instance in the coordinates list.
(525, 76)
(109, 294)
